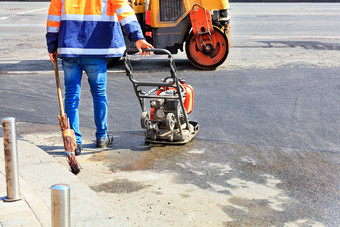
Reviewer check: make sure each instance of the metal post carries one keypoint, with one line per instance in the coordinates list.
(60, 194)
(11, 159)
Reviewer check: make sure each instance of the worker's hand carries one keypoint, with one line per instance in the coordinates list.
(51, 56)
(142, 44)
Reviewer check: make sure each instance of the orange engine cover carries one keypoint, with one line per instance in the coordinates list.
(189, 98)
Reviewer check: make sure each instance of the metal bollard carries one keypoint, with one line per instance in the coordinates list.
(60, 206)
(11, 159)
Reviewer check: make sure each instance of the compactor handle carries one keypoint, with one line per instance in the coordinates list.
(130, 51)
(156, 51)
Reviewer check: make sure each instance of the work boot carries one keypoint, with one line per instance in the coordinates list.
(78, 150)
(101, 143)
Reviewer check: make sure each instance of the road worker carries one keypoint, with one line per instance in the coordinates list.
(83, 33)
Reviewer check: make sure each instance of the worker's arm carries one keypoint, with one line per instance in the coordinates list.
(52, 26)
(127, 18)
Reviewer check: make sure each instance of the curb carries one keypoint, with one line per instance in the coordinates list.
(39, 171)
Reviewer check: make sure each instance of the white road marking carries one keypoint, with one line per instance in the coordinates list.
(31, 11)
(286, 37)
(22, 25)
(25, 12)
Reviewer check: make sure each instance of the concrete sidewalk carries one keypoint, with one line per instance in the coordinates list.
(38, 172)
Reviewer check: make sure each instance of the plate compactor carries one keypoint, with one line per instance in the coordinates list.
(165, 119)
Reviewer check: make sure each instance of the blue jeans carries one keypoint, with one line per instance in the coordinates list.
(95, 69)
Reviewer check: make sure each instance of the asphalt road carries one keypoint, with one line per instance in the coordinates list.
(267, 153)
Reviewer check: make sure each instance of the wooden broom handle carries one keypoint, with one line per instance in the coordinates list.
(55, 63)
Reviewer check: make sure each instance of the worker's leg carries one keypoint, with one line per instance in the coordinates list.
(72, 80)
(95, 69)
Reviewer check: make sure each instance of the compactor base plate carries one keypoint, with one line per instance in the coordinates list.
(182, 142)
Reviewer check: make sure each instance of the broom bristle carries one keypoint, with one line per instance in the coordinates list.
(69, 143)
(75, 167)
(69, 148)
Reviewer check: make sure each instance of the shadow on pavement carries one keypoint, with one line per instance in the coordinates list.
(151, 64)
(25, 65)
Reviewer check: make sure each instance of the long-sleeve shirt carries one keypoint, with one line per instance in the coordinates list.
(90, 28)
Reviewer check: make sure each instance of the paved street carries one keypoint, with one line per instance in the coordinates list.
(268, 150)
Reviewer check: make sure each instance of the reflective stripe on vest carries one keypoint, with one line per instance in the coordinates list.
(103, 18)
(92, 51)
(128, 19)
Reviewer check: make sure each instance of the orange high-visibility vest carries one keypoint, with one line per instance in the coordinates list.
(88, 28)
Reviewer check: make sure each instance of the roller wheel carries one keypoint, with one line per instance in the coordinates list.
(207, 59)
(170, 121)
(144, 120)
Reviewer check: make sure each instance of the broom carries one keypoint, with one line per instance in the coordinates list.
(68, 134)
